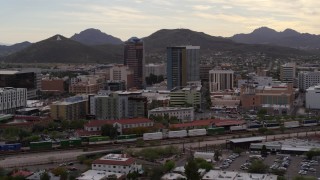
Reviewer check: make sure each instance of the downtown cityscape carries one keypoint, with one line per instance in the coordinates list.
(167, 102)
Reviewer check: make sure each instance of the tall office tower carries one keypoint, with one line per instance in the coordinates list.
(220, 80)
(182, 65)
(288, 72)
(23, 78)
(307, 79)
(134, 59)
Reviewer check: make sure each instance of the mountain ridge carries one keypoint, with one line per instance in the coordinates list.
(93, 36)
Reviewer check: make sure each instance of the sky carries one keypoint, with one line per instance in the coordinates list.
(35, 20)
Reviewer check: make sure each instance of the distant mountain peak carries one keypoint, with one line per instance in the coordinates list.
(93, 36)
(290, 32)
(264, 30)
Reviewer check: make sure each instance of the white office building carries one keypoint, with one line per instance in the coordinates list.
(220, 80)
(288, 73)
(12, 99)
(307, 79)
(256, 81)
(184, 114)
(155, 69)
(313, 97)
(117, 163)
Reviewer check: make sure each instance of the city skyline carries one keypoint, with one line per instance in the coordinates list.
(35, 20)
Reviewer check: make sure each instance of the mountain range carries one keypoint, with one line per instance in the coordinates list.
(286, 38)
(92, 45)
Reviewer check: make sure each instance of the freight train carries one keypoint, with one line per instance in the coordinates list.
(95, 140)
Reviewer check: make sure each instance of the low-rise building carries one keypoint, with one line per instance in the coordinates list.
(222, 175)
(100, 175)
(182, 113)
(54, 85)
(190, 95)
(308, 79)
(116, 163)
(313, 97)
(121, 124)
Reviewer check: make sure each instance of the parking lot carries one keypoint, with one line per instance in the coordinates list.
(291, 164)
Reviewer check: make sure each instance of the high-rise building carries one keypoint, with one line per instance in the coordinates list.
(12, 99)
(155, 69)
(307, 79)
(220, 80)
(288, 72)
(134, 59)
(24, 78)
(312, 97)
(120, 72)
(182, 65)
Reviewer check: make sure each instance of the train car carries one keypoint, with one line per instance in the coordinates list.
(70, 143)
(309, 122)
(10, 147)
(152, 136)
(126, 138)
(254, 127)
(215, 131)
(197, 132)
(41, 145)
(273, 125)
(291, 124)
(238, 128)
(99, 140)
(177, 134)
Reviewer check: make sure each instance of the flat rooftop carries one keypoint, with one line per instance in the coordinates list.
(248, 139)
(232, 175)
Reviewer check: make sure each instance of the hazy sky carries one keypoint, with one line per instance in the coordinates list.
(34, 20)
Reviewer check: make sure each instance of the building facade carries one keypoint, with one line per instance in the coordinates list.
(120, 72)
(256, 81)
(313, 97)
(220, 80)
(156, 69)
(182, 65)
(188, 96)
(184, 114)
(57, 85)
(73, 108)
(307, 79)
(24, 78)
(117, 163)
(288, 73)
(134, 59)
(11, 99)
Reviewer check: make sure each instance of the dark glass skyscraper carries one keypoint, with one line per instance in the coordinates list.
(134, 59)
(182, 65)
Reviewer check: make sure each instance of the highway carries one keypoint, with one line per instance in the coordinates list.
(23, 160)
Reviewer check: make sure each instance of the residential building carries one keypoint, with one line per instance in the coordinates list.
(188, 96)
(117, 163)
(313, 97)
(184, 114)
(288, 73)
(121, 124)
(12, 99)
(156, 69)
(73, 108)
(120, 72)
(307, 79)
(134, 59)
(220, 80)
(24, 78)
(182, 65)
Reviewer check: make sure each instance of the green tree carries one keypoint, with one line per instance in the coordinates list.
(109, 130)
(313, 152)
(133, 175)
(304, 178)
(192, 170)
(62, 172)
(217, 154)
(264, 150)
(156, 173)
(258, 166)
(169, 165)
(203, 164)
(45, 176)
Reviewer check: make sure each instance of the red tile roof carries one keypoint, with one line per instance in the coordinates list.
(127, 162)
(96, 123)
(228, 122)
(22, 173)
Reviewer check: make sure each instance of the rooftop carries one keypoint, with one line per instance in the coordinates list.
(248, 139)
(209, 122)
(115, 159)
(171, 109)
(232, 175)
(95, 123)
(172, 176)
(97, 175)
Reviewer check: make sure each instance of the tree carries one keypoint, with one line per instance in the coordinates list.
(45, 176)
(313, 152)
(156, 173)
(192, 170)
(258, 166)
(112, 177)
(203, 164)
(264, 150)
(109, 130)
(62, 172)
(304, 178)
(169, 165)
(217, 154)
(133, 175)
